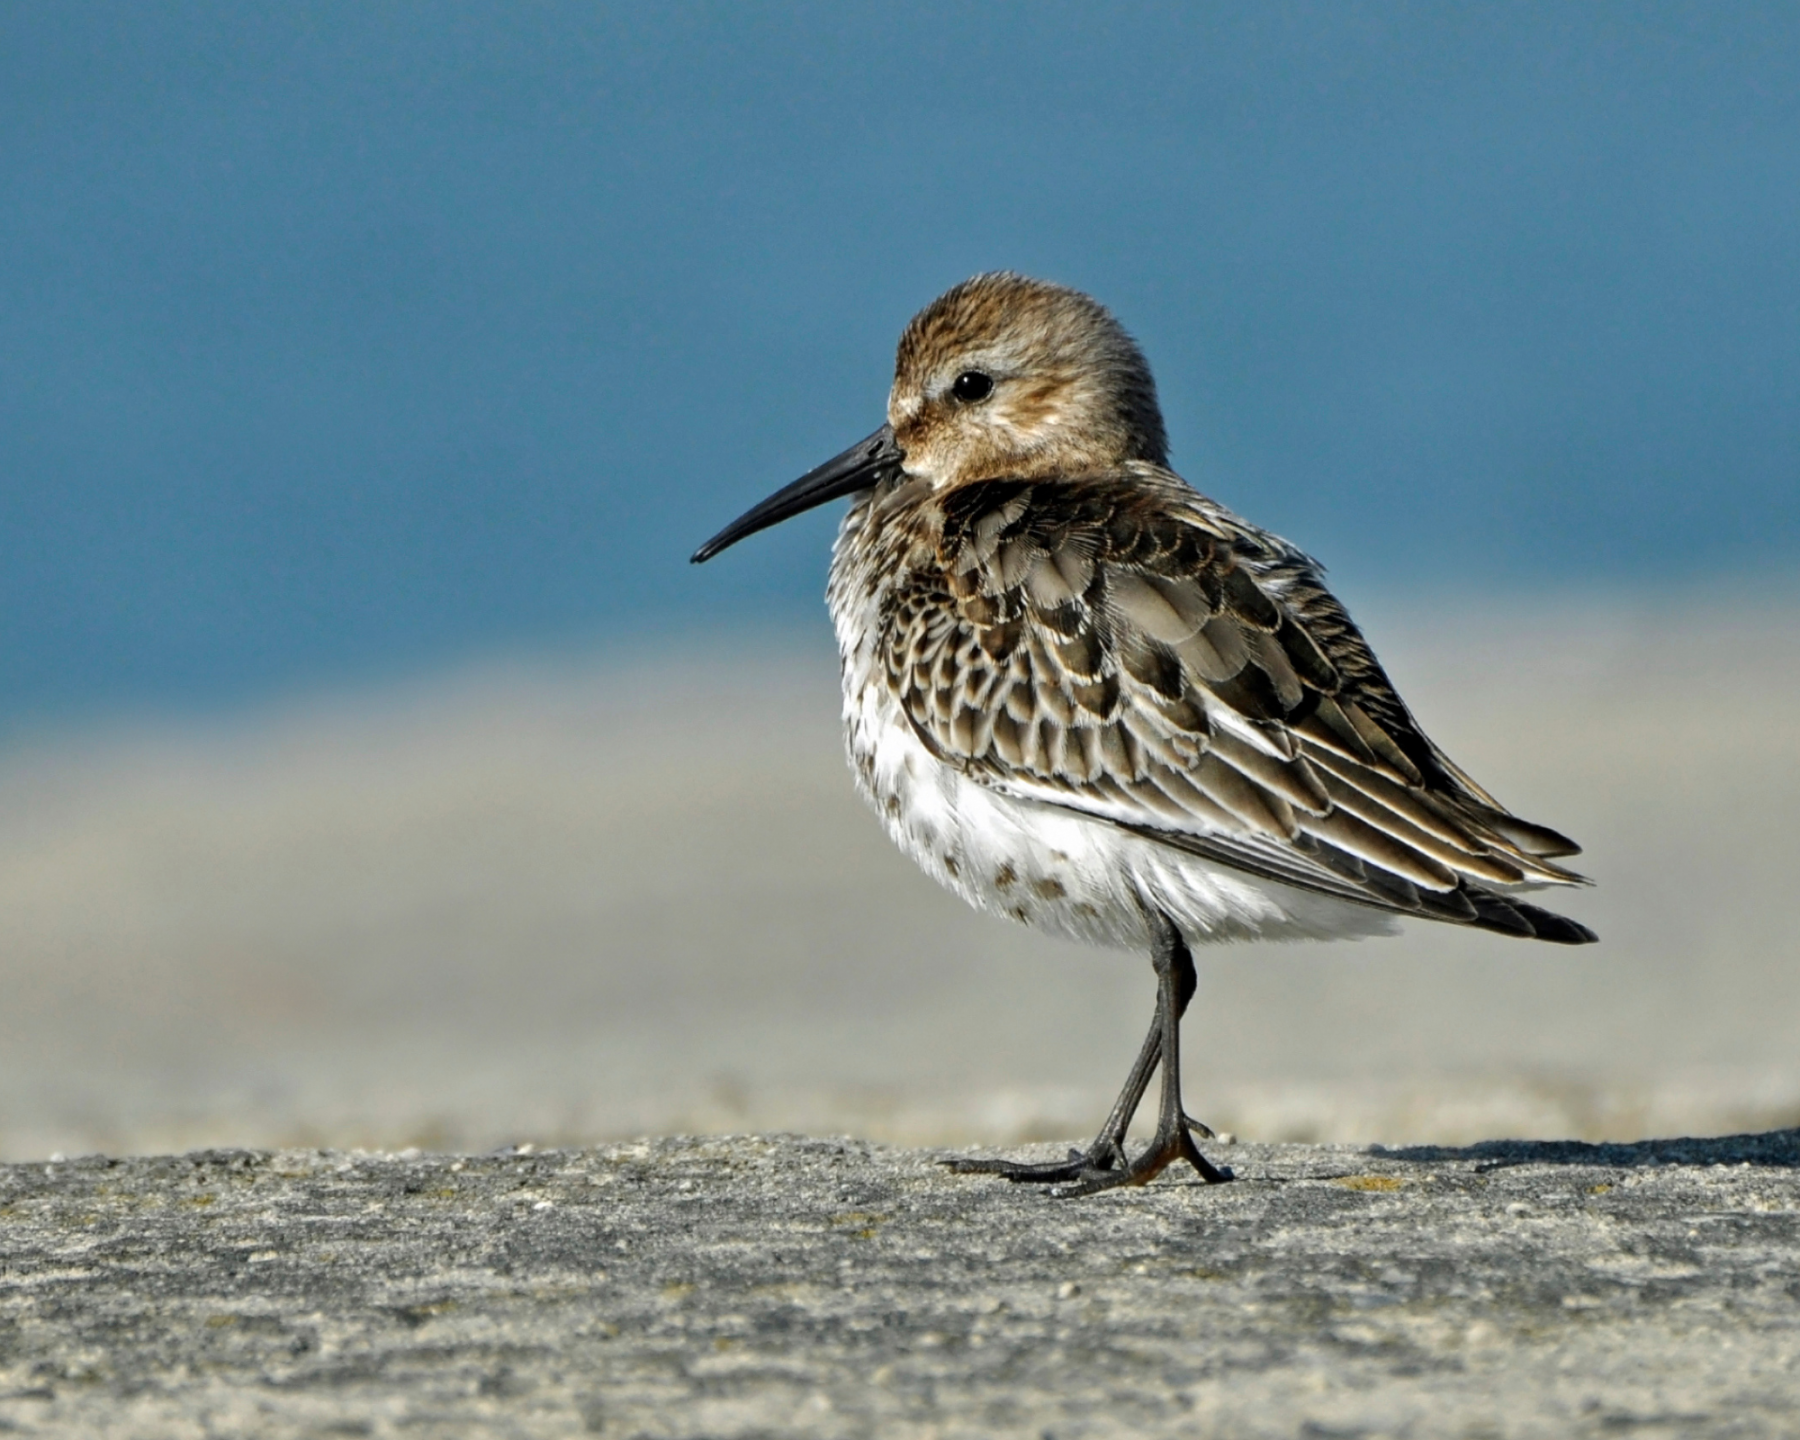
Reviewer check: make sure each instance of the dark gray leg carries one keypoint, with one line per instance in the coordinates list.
(1173, 1139)
(1105, 1164)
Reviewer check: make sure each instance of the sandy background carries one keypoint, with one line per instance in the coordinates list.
(569, 900)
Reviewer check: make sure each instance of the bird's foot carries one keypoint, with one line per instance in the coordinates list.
(1104, 1156)
(1165, 1148)
(1103, 1165)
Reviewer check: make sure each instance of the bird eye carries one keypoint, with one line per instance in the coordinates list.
(971, 386)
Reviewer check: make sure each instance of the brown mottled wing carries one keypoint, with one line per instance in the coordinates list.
(1116, 647)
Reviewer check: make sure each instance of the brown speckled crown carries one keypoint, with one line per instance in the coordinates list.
(1072, 347)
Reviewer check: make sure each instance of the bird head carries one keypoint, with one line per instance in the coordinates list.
(1008, 376)
(1000, 376)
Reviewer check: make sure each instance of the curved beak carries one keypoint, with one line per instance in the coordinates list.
(868, 462)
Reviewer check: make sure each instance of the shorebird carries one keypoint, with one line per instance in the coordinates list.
(1083, 695)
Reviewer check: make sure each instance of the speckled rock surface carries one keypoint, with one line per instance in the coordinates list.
(777, 1286)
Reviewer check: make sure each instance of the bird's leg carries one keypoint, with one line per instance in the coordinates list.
(1174, 1139)
(1108, 1150)
(1106, 1157)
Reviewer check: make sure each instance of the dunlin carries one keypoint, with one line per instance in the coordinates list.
(1083, 695)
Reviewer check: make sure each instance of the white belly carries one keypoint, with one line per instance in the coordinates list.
(1051, 867)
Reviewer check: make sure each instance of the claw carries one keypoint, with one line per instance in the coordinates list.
(1163, 1151)
(1103, 1166)
(1053, 1172)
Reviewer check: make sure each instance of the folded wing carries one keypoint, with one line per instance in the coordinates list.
(1117, 646)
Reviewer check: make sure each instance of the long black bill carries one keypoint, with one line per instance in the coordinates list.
(867, 462)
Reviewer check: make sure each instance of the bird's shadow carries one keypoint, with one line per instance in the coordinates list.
(1776, 1148)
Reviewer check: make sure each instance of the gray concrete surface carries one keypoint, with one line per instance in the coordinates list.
(570, 900)
(774, 1286)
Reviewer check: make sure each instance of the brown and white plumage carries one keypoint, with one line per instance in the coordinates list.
(1115, 645)
(1082, 694)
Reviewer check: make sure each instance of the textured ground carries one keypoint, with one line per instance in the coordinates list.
(562, 903)
(774, 1286)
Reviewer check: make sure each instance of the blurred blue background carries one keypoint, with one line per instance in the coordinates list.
(340, 339)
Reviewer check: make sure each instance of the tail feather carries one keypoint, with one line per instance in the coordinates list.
(1557, 929)
(1528, 922)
